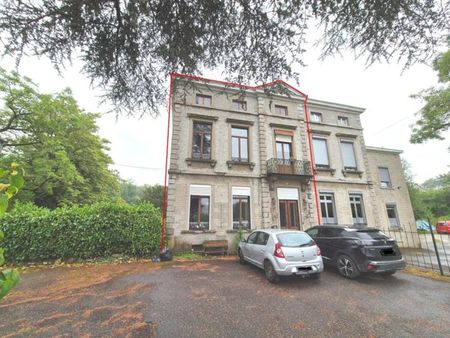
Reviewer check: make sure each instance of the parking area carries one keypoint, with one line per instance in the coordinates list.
(220, 298)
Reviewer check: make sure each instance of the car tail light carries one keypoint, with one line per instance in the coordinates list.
(318, 252)
(278, 252)
(370, 266)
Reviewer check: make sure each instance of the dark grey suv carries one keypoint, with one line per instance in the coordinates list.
(356, 251)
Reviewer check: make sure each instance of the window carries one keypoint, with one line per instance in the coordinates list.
(201, 141)
(239, 144)
(330, 232)
(343, 121)
(385, 179)
(239, 105)
(316, 117)
(327, 208)
(284, 148)
(252, 238)
(204, 100)
(392, 215)
(348, 155)
(320, 153)
(262, 238)
(199, 213)
(357, 207)
(281, 110)
(241, 212)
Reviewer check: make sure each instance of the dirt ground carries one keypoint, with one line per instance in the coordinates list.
(218, 298)
(81, 301)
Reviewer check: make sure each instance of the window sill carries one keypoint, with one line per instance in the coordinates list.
(190, 160)
(345, 172)
(234, 231)
(230, 164)
(323, 169)
(198, 232)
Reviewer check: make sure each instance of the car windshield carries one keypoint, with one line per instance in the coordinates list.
(371, 234)
(292, 239)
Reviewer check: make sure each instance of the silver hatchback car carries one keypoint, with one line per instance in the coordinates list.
(282, 253)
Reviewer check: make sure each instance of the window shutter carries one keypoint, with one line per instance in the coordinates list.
(320, 151)
(348, 154)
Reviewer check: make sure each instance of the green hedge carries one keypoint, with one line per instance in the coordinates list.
(34, 234)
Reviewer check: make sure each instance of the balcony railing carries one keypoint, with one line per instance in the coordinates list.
(288, 167)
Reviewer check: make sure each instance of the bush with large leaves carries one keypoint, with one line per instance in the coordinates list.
(14, 176)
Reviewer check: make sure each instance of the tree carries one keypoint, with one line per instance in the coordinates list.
(152, 194)
(130, 192)
(56, 143)
(128, 47)
(434, 117)
(420, 209)
(8, 277)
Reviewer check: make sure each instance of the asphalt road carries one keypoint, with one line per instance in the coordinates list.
(225, 299)
(221, 298)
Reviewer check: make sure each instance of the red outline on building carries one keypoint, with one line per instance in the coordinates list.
(232, 84)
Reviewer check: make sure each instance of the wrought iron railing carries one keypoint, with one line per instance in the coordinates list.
(288, 167)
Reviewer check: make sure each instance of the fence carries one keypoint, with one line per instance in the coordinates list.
(423, 249)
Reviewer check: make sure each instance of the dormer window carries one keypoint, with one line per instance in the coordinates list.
(316, 117)
(204, 100)
(239, 105)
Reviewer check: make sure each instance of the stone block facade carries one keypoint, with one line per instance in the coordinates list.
(243, 158)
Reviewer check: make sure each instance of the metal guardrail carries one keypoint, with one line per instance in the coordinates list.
(289, 167)
(423, 249)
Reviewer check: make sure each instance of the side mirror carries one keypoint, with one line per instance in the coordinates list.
(244, 240)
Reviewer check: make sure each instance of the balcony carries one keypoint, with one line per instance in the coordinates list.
(276, 166)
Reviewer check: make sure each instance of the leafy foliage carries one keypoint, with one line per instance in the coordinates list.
(434, 118)
(152, 194)
(99, 230)
(134, 194)
(129, 47)
(431, 199)
(57, 143)
(8, 277)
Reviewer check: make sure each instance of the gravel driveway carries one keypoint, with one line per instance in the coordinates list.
(220, 298)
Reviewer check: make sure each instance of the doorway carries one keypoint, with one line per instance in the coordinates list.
(289, 218)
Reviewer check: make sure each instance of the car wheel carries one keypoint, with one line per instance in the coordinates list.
(271, 274)
(347, 267)
(241, 257)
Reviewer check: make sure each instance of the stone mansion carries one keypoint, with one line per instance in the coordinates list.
(245, 157)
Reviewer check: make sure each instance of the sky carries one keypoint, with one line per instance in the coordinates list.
(138, 145)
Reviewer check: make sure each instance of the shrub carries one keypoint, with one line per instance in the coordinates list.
(35, 234)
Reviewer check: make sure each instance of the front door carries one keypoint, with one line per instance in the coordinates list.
(289, 214)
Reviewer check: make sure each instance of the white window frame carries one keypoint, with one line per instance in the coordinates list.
(326, 149)
(199, 190)
(203, 97)
(239, 105)
(397, 219)
(389, 185)
(241, 191)
(333, 202)
(364, 217)
(343, 121)
(348, 168)
(316, 117)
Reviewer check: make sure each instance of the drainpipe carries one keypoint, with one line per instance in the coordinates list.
(308, 130)
(164, 201)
